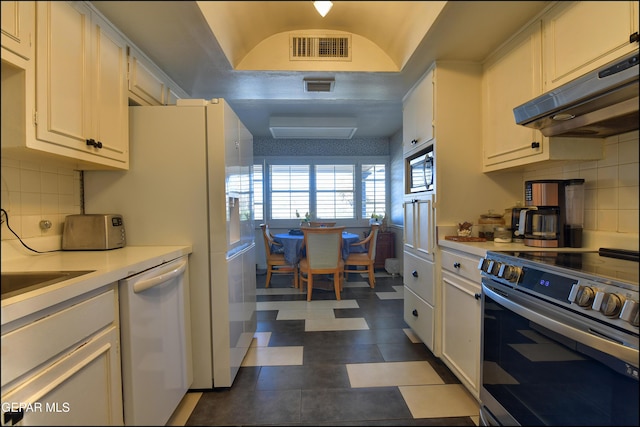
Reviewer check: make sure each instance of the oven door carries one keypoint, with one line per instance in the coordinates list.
(542, 365)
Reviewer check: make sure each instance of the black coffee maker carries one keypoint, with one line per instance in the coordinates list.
(554, 213)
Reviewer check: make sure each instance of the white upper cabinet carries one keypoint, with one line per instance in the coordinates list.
(148, 84)
(18, 24)
(511, 77)
(417, 115)
(81, 90)
(580, 36)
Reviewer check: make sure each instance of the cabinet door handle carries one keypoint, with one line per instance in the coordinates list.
(456, 265)
(415, 312)
(633, 38)
(94, 143)
(477, 296)
(414, 141)
(414, 273)
(535, 144)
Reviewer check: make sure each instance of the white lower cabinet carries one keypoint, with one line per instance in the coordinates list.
(461, 317)
(419, 315)
(62, 366)
(420, 298)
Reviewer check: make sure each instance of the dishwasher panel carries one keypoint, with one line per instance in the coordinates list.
(156, 342)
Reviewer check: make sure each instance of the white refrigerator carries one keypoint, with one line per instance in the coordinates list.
(190, 182)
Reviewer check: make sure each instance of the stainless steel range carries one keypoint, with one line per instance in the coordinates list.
(560, 338)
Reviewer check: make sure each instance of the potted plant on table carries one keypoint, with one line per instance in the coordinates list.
(380, 219)
(306, 220)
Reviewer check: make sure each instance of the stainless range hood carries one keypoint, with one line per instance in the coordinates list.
(601, 103)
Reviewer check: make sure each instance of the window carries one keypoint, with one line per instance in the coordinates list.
(348, 190)
(289, 190)
(334, 191)
(258, 194)
(374, 194)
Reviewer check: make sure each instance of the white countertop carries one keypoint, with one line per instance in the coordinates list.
(592, 241)
(481, 248)
(110, 266)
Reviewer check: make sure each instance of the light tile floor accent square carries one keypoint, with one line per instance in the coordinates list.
(260, 339)
(392, 374)
(398, 294)
(439, 401)
(273, 356)
(342, 324)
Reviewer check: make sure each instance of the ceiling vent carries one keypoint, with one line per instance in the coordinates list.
(318, 85)
(331, 48)
(312, 127)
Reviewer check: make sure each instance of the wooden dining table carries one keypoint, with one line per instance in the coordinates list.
(293, 251)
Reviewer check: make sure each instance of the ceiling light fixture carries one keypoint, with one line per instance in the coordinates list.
(323, 7)
(313, 127)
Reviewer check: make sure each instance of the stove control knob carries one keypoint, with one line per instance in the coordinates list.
(629, 312)
(611, 304)
(494, 268)
(483, 265)
(583, 295)
(509, 272)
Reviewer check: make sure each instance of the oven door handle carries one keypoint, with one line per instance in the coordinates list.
(624, 353)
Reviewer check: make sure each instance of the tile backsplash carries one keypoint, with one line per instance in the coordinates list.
(37, 191)
(611, 184)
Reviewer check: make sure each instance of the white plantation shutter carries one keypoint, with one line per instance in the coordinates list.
(335, 191)
(290, 189)
(258, 193)
(374, 191)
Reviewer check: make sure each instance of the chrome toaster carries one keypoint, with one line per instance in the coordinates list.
(93, 232)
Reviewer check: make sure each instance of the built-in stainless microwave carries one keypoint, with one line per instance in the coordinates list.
(420, 171)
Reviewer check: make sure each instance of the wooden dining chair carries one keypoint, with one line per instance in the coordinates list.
(366, 259)
(323, 246)
(321, 224)
(275, 258)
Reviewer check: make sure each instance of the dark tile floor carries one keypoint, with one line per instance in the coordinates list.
(319, 391)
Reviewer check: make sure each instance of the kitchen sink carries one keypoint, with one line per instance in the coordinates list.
(13, 284)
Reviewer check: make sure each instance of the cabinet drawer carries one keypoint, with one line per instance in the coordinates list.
(82, 388)
(418, 276)
(464, 265)
(26, 348)
(418, 314)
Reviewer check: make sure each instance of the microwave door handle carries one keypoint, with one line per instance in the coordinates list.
(428, 162)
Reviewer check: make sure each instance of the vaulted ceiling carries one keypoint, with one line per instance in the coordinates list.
(235, 50)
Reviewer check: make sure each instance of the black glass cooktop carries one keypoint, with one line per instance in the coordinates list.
(611, 264)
